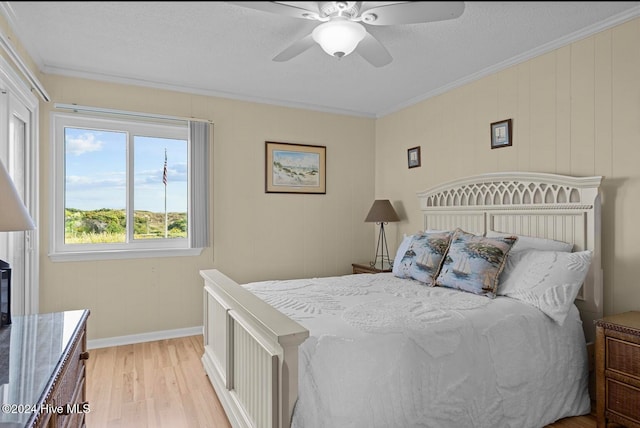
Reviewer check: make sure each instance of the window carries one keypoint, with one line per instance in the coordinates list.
(124, 189)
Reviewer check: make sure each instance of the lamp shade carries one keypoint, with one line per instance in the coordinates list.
(381, 212)
(13, 214)
(339, 37)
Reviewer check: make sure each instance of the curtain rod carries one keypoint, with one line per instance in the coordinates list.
(78, 108)
(13, 55)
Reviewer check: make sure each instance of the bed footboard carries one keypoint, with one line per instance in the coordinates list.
(250, 354)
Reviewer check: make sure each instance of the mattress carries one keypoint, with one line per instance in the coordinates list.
(390, 352)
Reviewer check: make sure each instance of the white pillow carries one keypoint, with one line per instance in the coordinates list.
(548, 280)
(533, 243)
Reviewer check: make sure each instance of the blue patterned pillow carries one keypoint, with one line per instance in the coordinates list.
(473, 263)
(422, 259)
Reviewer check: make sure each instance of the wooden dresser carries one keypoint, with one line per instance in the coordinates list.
(618, 370)
(42, 370)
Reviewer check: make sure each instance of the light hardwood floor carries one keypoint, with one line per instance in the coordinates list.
(163, 384)
(153, 384)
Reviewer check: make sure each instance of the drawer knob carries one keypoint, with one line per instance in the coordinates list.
(84, 355)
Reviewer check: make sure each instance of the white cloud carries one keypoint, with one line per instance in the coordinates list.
(83, 144)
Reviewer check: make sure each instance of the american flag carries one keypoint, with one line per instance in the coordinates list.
(164, 172)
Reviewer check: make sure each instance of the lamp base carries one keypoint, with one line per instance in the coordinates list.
(382, 260)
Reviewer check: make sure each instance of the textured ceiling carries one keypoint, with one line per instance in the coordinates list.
(221, 49)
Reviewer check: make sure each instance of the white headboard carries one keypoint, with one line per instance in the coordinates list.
(542, 205)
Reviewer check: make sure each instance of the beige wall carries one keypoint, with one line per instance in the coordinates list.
(575, 111)
(256, 236)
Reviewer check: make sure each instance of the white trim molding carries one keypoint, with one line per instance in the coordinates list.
(144, 337)
(5, 42)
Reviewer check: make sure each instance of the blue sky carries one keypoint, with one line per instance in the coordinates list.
(299, 159)
(96, 171)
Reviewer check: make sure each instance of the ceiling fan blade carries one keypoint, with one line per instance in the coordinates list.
(295, 49)
(413, 12)
(373, 51)
(305, 10)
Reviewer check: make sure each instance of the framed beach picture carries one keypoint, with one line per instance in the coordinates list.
(413, 157)
(501, 134)
(295, 168)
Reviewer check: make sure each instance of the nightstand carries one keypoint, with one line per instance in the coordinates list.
(367, 268)
(618, 370)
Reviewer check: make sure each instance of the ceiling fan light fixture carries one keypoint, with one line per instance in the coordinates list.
(339, 37)
(370, 18)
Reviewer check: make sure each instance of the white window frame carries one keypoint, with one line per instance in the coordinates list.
(59, 251)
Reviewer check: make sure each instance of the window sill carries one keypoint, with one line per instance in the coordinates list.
(123, 254)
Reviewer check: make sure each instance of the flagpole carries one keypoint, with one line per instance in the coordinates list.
(164, 180)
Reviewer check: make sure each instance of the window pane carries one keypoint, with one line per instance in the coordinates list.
(160, 193)
(95, 186)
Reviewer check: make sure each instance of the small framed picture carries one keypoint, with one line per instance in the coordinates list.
(413, 157)
(501, 134)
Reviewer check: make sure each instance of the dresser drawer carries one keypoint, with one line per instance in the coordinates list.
(74, 369)
(74, 413)
(69, 390)
(623, 357)
(623, 399)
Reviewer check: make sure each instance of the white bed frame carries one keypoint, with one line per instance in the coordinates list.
(251, 349)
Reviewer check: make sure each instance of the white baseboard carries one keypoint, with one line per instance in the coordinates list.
(143, 337)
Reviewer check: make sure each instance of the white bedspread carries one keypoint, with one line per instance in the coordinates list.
(389, 352)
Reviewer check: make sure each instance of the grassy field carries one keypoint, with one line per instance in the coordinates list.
(109, 226)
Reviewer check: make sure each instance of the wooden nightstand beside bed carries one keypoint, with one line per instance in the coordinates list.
(367, 268)
(618, 370)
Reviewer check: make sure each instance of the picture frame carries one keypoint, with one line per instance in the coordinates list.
(413, 157)
(295, 168)
(501, 134)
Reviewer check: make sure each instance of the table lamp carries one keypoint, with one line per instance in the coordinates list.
(381, 213)
(13, 217)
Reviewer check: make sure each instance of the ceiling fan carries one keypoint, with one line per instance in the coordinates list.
(342, 31)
